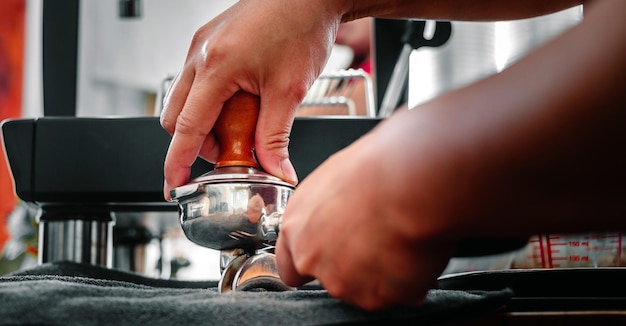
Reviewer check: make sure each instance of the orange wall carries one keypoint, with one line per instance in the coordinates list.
(12, 13)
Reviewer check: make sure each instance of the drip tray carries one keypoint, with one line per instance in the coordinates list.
(567, 289)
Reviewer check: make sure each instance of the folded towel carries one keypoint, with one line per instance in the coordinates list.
(75, 294)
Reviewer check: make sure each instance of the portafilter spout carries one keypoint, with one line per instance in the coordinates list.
(235, 206)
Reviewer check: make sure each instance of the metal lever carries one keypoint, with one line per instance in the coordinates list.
(413, 38)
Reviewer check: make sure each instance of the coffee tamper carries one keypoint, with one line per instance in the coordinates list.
(237, 208)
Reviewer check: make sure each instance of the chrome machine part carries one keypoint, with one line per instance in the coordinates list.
(84, 238)
(344, 92)
(414, 37)
(259, 272)
(227, 256)
(230, 271)
(248, 272)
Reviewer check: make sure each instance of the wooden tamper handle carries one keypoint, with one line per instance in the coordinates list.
(234, 130)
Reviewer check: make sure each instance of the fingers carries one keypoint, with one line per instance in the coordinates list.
(286, 269)
(353, 276)
(210, 148)
(339, 238)
(191, 130)
(272, 136)
(174, 99)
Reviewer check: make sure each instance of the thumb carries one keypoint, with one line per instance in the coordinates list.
(272, 137)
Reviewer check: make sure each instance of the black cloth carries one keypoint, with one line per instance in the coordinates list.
(74, 294)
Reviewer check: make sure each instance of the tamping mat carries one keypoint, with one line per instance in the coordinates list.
(66, 293)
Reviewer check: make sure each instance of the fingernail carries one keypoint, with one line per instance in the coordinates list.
(166, 191)
(288, 171)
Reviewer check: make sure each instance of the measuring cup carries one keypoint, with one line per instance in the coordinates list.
(572, 251)
(588, 250)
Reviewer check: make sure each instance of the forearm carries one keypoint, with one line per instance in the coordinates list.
(537, 147)
(477, 10)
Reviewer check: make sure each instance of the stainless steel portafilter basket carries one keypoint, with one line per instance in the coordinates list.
(237, 208)
(232, 207)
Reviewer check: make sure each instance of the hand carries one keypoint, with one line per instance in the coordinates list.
(365, 224)
(273, 49)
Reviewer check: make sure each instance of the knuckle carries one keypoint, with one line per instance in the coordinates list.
(367, 300)
(336, 290)
(209, 50)
(277, 141)
(304, 263)
(209, 60)
(370, 303)
(298, 91)
(291, 91)
(186, 125)
(294, 92)
(167, 122)
(198, 38)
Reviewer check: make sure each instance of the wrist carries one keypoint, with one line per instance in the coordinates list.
(416, 177)
(351, 10)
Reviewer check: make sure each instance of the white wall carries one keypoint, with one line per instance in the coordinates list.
(123, 60)
(32, 96)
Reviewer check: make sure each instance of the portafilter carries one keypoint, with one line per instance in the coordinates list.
(237, 208)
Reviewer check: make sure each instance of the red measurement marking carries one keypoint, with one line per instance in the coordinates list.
(549, 253)
(577, 258)
(542, 251)
(619, 251)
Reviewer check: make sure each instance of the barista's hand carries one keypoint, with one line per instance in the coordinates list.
(274, 49)
(366, 224)
(377, 223)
